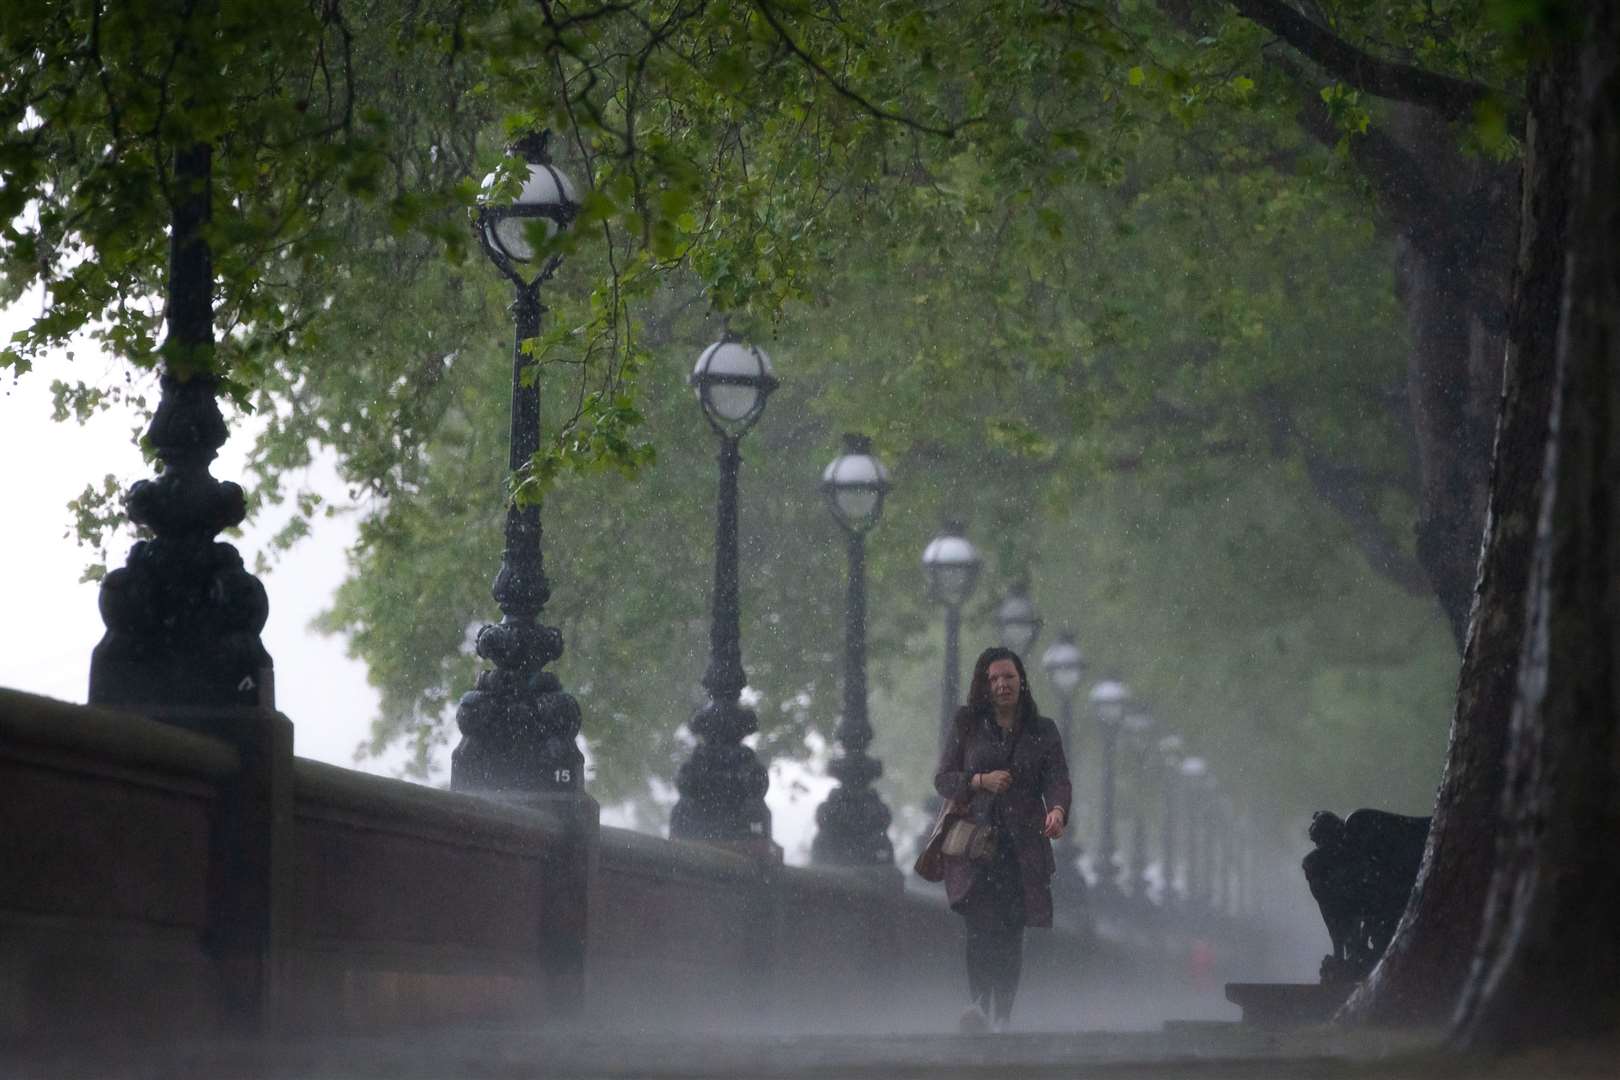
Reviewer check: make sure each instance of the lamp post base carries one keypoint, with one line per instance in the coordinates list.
(852, 830)
(183, 614)
(517, 742)
(722, 785)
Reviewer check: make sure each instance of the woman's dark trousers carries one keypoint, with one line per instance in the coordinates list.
(994, 914)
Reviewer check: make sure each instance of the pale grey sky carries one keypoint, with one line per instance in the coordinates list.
(53, 621)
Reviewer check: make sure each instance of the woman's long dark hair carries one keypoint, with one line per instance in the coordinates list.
(979, 703)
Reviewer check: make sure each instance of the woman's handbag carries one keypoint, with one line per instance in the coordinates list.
(930, 864)
(955, 836)
(970, 840)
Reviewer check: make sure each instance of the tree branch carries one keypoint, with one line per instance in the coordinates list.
(1345, 489)
(1405, 194)
(1450, 97)
(1441, 214)
(1342, 489)
(764, 9)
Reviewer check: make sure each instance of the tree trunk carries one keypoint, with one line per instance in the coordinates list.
(1457, 219)
(1454, 213)
(1547, 963)
(1451, 422)
(1512, 920)
(1424, 967)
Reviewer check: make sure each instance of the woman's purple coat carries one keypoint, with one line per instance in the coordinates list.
(1040, 782)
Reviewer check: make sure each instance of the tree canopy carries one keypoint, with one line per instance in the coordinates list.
(1111, 281)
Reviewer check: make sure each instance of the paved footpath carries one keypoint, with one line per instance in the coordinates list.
(1179, 1052)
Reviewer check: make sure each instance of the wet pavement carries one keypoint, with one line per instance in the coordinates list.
(1178, 1051)
(1190, 1049)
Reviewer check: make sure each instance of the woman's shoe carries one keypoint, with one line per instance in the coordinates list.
(973, 1021)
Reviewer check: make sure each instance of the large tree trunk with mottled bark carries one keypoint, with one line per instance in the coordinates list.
(1547, 963)
(1511, 929)
(1456, 218)
(1424, 967)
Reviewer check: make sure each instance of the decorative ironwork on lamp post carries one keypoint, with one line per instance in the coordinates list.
(1065, 669)
(183, 614)
(1138, 725)
(1108, 700)
(853, 824)
(519, 728)
(1171, 753)
(722, 785)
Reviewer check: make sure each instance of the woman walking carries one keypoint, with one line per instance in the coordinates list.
(1004, 762)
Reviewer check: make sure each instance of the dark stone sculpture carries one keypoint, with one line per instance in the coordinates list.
(1360, 874)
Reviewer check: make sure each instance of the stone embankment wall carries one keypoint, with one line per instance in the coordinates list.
(156, 882)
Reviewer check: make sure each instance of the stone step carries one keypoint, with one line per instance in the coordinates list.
(1283, 1005)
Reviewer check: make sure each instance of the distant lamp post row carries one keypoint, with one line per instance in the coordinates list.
(1197, 817)
(1193, 837)
(519, 729)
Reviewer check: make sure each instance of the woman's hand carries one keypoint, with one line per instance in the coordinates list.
(995, 782)
(1054, 823)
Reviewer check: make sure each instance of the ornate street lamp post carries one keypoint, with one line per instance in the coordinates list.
(518, 727)
(951, 564)
(1210, 848)
(1016, 622)
(183, 614)
(1245, 890)
(1194, 771)
(1108, 701)
(1221, 895)
(1250, 892)
(722, 785)
(1065, 669)
(853, 824)
(1138, 725)
(1171, 753)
